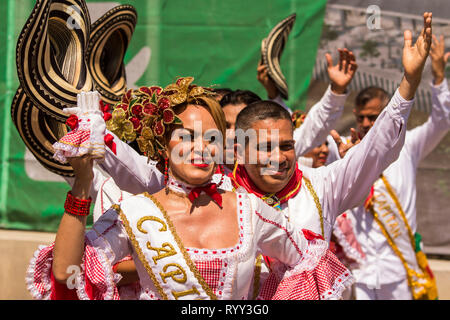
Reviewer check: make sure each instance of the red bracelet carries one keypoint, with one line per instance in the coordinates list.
(76, 206)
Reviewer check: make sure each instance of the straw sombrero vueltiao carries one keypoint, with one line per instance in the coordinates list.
(52, 66)
(271, 50)
(110, 36)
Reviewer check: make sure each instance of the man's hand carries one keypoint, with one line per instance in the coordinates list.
(438, 59)
(262, 74)
(344, 147)
(342, 73)
(414, 57)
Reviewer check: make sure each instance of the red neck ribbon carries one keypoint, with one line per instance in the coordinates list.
(210, 190)
(240, 178)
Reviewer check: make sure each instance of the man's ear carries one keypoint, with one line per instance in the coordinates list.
(239, 153)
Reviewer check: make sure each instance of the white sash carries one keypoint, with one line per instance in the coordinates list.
(396, 226)
(160, 250)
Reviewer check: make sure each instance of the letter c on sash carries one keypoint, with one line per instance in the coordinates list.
(153, 218)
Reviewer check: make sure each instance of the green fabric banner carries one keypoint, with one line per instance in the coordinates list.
(217, 42)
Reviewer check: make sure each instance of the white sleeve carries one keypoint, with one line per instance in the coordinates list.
(346, 183)
(276, 237)
(109, 236)
(333, 151)
(423, 139)
(319, 121)
(130, 170)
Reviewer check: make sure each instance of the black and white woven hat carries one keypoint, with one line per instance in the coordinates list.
(58, 55)
(271, 50)
(108, 42)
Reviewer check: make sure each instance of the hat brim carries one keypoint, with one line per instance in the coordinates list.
(110, 36)
(271, 50)
(52, 69)
(50, 55)
(39, 131)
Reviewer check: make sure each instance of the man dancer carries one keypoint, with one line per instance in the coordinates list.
(385, 226)
(315, 197)
(340, 185)
(321, 118)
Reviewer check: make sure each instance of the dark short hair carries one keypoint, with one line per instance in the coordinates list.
(239, 96)
(222, 91)
(369, 93)
(261, 110)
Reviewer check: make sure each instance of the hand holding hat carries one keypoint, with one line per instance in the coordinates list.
(88, 130)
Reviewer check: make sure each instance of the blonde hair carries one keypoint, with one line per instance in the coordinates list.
(213, 108)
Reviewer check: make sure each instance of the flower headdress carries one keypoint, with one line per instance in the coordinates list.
(298, 118)
(144, 115)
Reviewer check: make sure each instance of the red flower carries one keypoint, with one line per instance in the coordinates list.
(107, 116)
(163, 103)
(104, 107)
(127, 96)
(109, 141)
(72, 122)
(150, 109)
(156, 90)
(159, 129)
(145, 90)
(137, 110)
(136, 123)
(123, 106)
(168, 116)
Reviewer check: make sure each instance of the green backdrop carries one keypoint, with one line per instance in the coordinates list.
(217, 42)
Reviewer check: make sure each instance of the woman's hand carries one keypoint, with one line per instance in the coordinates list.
(88, 130)
(84, 175)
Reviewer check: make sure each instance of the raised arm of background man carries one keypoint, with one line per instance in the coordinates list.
(323, 116)
(421, 140)
(346, 183)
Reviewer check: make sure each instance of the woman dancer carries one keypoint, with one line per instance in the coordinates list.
(191, 240)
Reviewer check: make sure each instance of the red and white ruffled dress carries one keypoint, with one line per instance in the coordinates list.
(308, 270)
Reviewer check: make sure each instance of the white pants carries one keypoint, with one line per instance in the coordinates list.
(392, 291)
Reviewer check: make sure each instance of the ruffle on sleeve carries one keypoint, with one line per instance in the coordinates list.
(318, 275)
(95, 279)
(346, 239)
(73, 144)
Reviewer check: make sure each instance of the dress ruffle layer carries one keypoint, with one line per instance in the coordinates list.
(95, 280)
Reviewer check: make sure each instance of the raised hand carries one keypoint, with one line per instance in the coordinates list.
(82, 167)
(262, 74)
(438, 59)
(414, 57)
(344, 147)
(343, 72)
(88, 130)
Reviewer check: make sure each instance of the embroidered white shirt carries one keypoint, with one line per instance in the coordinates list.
(382, 264)
(342, 184)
